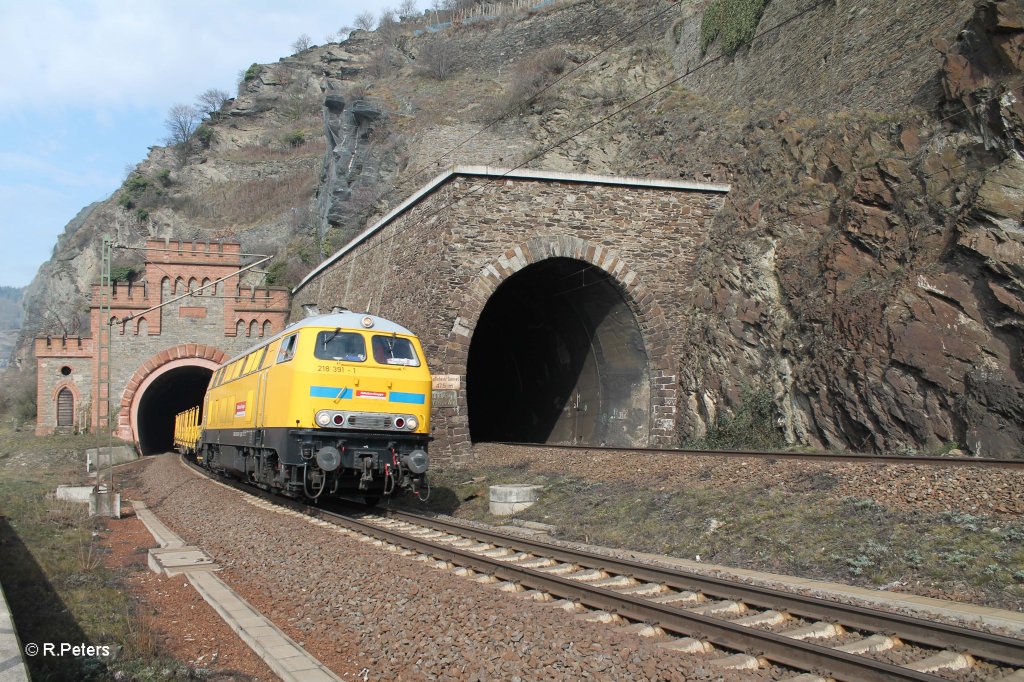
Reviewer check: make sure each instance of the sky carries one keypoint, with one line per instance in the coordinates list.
(87, 84)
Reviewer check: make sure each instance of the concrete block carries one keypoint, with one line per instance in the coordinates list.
(75, 493)
(174, 561)
(103, 457)
(105, 504)
(512, 498)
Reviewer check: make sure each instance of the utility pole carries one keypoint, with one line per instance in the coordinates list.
(106, 502)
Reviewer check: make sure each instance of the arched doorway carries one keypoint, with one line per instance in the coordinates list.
(557, 356)
(65, 408)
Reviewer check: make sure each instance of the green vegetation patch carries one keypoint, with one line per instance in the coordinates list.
(140, 194)
(733, 21)
(53, 573)
(750, 427)
(805, 533)
(252, 72)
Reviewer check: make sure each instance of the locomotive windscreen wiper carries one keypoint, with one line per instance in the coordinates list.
(330, 338)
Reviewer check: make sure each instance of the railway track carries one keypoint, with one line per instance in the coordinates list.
(925, 460)
(751, 626)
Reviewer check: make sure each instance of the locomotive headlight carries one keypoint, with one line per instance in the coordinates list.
(411, 423)
(323, 418)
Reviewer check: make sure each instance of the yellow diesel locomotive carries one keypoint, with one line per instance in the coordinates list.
(335, 404)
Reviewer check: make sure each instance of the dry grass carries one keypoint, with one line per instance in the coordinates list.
(311, 148)
(52, 567)
(810, 531)
(248, 202)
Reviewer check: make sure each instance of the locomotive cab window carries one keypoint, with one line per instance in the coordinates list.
(392, 350)
(339, 345)
(287, 351)
(252, 363)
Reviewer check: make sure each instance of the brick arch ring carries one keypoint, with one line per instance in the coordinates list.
(70, 385)
(182, 355)
(649, 315)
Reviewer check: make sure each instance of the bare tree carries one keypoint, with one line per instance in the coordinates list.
(181, 123)
(365, 21)
(408, 9)
(437, 58)
(344, 32)
(302, 43)
(382, 61)
(211, 102)
(389, 29)
(446, 6)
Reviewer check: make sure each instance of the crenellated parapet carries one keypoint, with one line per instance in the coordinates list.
(188, 296)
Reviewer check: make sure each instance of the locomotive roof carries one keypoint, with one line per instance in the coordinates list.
(342, 320)
(349, 320)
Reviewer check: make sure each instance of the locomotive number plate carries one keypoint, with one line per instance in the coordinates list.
(336, 369)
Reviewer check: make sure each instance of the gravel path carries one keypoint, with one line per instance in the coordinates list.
(359, 608)
(173, 617)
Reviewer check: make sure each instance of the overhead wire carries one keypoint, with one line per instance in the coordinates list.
(414, 175)
(635, 28)
(370, 247)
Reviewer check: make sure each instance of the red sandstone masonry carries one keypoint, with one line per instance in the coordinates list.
(135, 356)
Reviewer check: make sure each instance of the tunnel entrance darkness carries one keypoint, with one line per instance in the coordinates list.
(175, 390)
(557, 357)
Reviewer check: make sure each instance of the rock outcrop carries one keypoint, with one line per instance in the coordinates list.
(866, 272)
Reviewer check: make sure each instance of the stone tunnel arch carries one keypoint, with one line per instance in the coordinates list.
(169, 382)
(589, 364)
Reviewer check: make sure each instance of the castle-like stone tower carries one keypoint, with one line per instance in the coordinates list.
(160, 358)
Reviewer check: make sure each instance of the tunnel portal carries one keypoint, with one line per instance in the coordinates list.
(173, 391)
(557, 356)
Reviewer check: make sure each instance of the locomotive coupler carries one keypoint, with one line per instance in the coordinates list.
(367, 478)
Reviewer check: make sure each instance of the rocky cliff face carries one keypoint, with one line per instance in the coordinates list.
(865, 273)
(250, 177)
(868, 268)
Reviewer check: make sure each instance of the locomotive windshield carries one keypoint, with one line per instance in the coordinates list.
(339, 345)
(391, 350)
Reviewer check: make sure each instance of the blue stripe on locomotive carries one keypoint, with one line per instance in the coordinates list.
(330, 392)
(412, 398)
(346, 394)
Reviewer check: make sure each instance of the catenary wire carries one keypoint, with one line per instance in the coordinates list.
(370, 247)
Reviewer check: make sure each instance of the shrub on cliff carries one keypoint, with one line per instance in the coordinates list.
(529, 79)
(734, 21)
(751, 426)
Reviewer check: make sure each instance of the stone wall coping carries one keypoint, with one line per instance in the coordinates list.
(518, 174)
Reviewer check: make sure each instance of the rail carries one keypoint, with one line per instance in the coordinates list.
(913, 460)
(775, 647)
